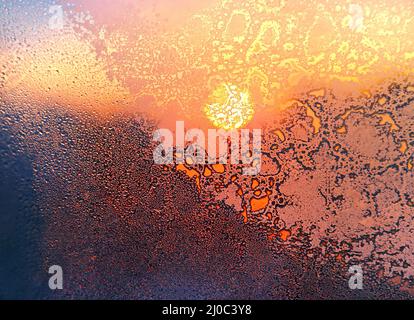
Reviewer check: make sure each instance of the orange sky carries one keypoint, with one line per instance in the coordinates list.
(166, 58)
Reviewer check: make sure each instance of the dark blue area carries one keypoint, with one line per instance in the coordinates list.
(22, 274)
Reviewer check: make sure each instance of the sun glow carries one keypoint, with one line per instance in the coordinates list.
(165, 63)
(229, 107)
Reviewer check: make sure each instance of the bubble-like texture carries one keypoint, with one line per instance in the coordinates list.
(329, 84)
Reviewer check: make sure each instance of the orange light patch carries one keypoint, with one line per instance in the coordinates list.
(255, 184)
(280, 134)
(403, 146)
(316, 121)
(219, 168)
(284, 234)
(207, 172)
(257, 193)
(240, 192)
(387, 119)
(244, 214)
(317, 93)
(341, 130)
(382, 101)
(271, 236)
(258, 204)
